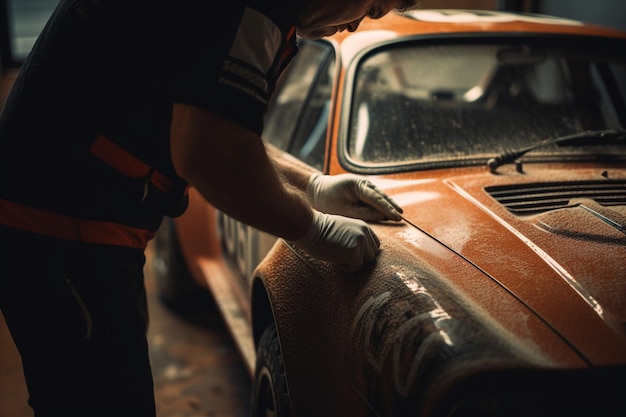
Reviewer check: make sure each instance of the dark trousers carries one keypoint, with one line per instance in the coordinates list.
(78, 316)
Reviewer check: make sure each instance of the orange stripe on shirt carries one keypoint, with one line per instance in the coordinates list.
(59, 226)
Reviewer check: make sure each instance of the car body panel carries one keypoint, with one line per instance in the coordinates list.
(353, 314)
(199, 234)
(534, 267)
(469, 301)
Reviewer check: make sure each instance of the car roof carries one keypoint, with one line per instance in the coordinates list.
(446, 22)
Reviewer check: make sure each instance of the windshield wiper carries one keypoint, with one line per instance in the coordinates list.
(586, 138)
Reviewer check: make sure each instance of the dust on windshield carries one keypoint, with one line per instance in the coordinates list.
(462, 103)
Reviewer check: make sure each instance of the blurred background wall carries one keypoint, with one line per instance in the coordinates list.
(605, 12)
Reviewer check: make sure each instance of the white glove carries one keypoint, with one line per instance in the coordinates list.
(349, 243)
(352, 196)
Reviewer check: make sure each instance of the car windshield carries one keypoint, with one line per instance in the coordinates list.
(459, 104)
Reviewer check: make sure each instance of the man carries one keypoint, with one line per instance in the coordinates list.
(121, 106)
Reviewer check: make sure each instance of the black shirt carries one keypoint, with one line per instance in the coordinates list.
(114, 68)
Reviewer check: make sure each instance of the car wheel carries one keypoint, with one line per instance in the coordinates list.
(270, 383)
(175, 286)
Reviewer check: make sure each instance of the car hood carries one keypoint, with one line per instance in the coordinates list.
(554, 239)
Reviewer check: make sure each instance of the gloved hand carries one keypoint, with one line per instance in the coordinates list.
(349, 243)
(352, 196)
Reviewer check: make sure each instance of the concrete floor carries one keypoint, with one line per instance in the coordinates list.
(197, 369)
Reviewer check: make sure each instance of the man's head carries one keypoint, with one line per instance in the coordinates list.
(319, 18)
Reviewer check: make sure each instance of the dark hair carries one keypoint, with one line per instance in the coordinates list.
(407, 5)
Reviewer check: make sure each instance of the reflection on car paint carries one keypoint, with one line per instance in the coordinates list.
(557, 267)
(419, 239)
(426, 326)
(415, 197)
(485, 16)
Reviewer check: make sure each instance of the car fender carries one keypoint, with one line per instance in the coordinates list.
(398, 332)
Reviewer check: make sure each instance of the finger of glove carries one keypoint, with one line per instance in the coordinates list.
(348, 242)
(369, 247)
(353, 196)
(353, 235)
(365, 253)
(388, 199)
(370, 194)
(336, 195)
(366, 213)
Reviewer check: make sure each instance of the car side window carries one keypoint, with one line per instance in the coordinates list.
(297, 118)
(309, 141)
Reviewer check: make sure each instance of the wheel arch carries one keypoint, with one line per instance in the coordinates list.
(261, 309)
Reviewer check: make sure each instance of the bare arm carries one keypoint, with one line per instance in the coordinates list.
(230, 167)
(295, 171)
(345, 194)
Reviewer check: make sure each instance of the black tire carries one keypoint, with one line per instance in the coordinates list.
(270, 396)
(175, 286)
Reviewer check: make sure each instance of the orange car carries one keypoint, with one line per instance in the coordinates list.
(503, 291)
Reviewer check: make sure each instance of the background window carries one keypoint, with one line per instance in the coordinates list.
(26, 19)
